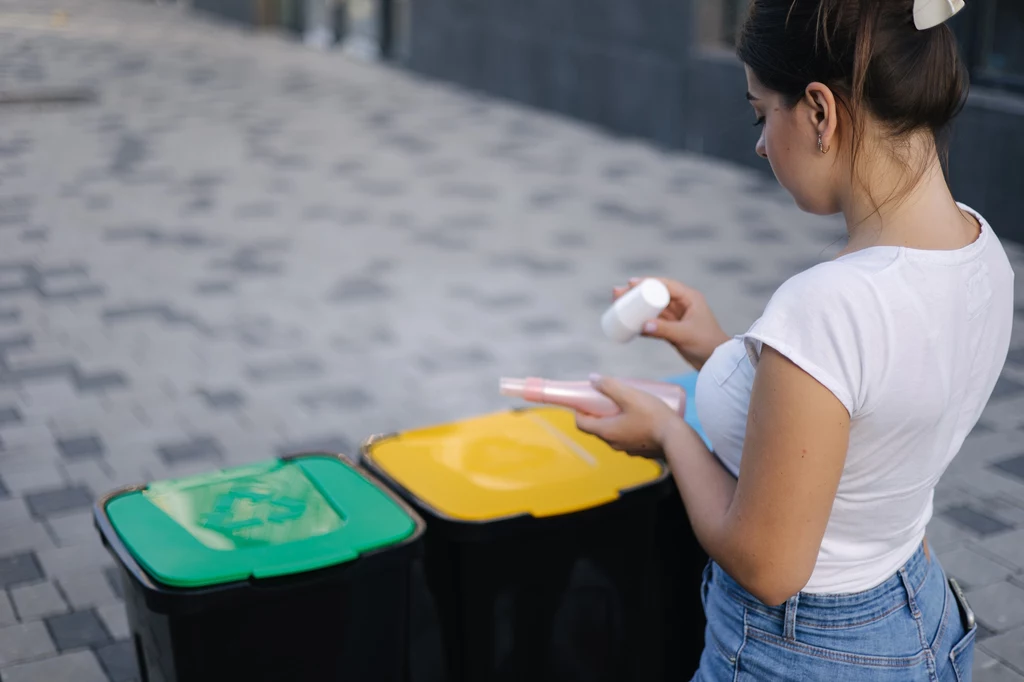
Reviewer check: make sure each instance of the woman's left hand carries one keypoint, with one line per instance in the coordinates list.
(639, 428)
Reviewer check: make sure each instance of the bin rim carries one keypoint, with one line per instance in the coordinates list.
(409, 546)
(480, 529)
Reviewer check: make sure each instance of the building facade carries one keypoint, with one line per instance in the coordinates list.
(665, 70)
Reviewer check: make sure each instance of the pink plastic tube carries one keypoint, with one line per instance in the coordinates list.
(583, 397)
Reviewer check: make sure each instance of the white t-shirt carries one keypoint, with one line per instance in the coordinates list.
(912, 343)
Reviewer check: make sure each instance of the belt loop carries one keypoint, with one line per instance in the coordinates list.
(789, 629)
(916, 612)
(911, 597)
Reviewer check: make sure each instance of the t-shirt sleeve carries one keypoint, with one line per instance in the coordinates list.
(825, 321)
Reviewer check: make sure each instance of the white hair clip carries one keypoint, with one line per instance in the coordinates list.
(931, 13)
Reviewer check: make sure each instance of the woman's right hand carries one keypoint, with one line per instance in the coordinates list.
(688, 323)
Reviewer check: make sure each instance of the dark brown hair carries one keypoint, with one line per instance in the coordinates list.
(867, 51)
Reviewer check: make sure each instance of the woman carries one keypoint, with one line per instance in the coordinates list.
(835, 414)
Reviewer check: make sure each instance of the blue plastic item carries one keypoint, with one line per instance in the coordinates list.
(688, 382)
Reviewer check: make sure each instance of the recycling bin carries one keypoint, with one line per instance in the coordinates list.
(540, 553)
(292, 569)
(681, 562)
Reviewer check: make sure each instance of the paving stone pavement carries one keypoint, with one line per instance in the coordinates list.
(228, 247)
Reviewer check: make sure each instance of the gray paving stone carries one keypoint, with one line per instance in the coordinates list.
(249, 262)
(222, 399)
(455, 359)
(542, 325)
(972, 570)
(58, 500)
(214, 287)
(989, 669)
(1007, 647)
(983, 632)
(118, 660)
(1007, 388)
(17, 569)
(1014, 466)
(74, 528)
(77, 629)
(360, 289)
(532, 264)
(689, 233)
(9, 315)
(33, 478)
(78, 666)
(334, 444)
(114, 581)
(353, 398)
(37, 600)
(197, 448)
(9, 415)
(1009, 548)
(615, 210)
(115, 619)
(987, 482)
(24, 642)
(80, 446)
(7, 615)
(22, 535)
(1005, 508)
(78, 572)
(1000, 606)
(288, 370)
(513, 301)
(980, 523)
(729, 266)
(164, 313)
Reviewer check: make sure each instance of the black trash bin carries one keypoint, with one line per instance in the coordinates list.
(540, 550)
(284, 571)
(681, 562)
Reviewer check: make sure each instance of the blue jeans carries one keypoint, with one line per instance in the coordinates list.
(908, 628)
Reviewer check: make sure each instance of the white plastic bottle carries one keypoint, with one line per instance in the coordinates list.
(626, 317)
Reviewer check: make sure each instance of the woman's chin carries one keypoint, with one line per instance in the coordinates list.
(810, 205)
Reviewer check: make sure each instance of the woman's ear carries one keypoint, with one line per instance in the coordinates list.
(824, 116)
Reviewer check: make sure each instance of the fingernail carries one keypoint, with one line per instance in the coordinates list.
(650, 327)
(634, 280)
(594, 378)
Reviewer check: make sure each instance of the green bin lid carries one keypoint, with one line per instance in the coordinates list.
(264, 520)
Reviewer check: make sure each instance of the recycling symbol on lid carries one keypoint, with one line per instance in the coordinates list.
(229, 515)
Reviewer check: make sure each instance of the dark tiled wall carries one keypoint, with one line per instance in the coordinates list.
(987, 160)
(632, 68)
(618, 64)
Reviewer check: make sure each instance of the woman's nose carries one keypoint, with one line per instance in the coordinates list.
(761, 150)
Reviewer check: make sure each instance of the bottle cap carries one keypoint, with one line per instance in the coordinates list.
(626, 318)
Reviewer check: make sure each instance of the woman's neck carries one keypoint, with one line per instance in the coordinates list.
(926, 217)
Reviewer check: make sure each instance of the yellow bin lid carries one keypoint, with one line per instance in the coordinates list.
(532, 461)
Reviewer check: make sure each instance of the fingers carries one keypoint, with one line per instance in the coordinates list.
(679, 291)
(599, 427)
(620, 393)
(588, 424)
(673, 331)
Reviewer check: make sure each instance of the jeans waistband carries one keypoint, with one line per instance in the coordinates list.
(837, 609)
